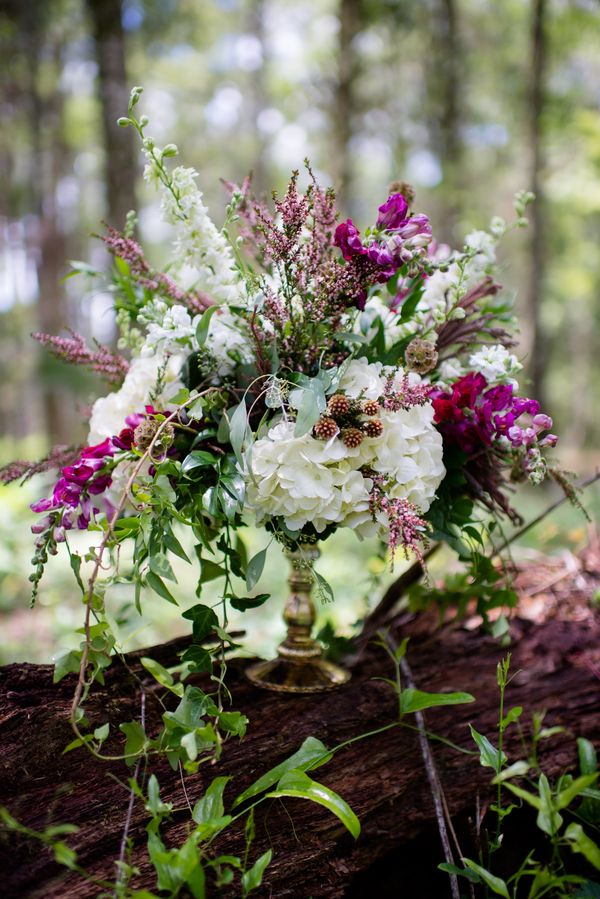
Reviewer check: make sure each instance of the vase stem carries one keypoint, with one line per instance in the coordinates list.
(299, 666)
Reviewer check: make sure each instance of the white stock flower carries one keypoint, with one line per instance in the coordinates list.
(393, 331)
(496, 364)
(362, 379)
(227, 342)
(109, 412)
(484, 244)
(168, 328)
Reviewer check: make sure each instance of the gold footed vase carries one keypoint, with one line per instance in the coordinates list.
(299, 666)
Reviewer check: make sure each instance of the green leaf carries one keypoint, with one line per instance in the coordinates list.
(160, 674)
(308, 413)
(135, 738)
(198, 658)
(210, 571)
(157, 584)
(511, 716)
(234, 723)
(204, 621)
(412, 700)
(312, 754)
(64, 855)
(252, 879)
(210, 807)
(198, 459)
(67, 664)
(460, 872)
(242, 603)
(204, 324)
(255, 568)
(489, 756)
(101, 733)
(238, 429)
(517, 769)
(298, 785)
(494, 883)
(548, 818)
(588, 760)
(566, 796)
(525, 795)
(161, 566)
(580, 842)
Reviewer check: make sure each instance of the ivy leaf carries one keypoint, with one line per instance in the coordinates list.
(242, 603)
(252, 878)
(204, 621)
(158, 585)
(296, 784)
(135, 739)
(198, 658)
(161, 566)
(162, 676)
(412, 700)
(67, 664)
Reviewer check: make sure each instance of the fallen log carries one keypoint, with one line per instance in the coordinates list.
(381, 777)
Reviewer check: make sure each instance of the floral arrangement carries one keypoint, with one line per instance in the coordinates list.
(287, 369)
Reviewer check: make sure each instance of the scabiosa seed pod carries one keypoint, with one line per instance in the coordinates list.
(421, 356)
(373, 428)
(352, 437)
(370, 407)
(325, 428)
(145, 433)
(338, 406)
(404, 188)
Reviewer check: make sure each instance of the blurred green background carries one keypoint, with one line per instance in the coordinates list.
(469, 100)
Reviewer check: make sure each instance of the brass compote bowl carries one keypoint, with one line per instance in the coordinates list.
(299, 666)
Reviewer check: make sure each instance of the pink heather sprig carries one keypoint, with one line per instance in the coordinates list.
(406, 527)
(409, 394)
(75, 351)
(57, 457)
(130, 251)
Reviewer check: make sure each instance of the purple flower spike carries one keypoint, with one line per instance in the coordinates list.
(392, 213)
(347, 238)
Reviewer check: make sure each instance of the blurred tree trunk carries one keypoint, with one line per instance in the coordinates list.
(258, 96)
(537, 257)
(48, 155)
(113, 88)
(349, 14)
(445, 77)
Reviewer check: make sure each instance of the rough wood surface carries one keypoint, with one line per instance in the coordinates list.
(382, 777)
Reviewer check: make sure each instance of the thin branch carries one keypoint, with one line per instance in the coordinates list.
(122, 850)
(434, 783)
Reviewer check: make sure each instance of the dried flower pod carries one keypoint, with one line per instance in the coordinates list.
(338, 406)
(145, 433)
(373, 428)
(352, 437)
(421, 356)
(370, 407)
(403, 188)
(325, 428)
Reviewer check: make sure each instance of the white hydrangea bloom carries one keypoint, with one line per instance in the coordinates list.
(496, 364)
(199, 243)
(362, 379)
(109, 412)
(304, 480)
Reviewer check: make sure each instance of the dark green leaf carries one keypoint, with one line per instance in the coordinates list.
(157, 584)
(296, 784)
(312, 754)
(412, 700)
(252, 879)
(255, 568)
(242, 603)
(204, 621)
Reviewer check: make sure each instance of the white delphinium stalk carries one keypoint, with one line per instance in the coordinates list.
(199, 243)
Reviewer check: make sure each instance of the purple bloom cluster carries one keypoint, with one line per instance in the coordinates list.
(473, 415)
(400, 238)
(88, 477)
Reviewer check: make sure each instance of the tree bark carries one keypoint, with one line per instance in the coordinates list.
(382, 777)
(343, 112)
(114, 95)
(537, 257)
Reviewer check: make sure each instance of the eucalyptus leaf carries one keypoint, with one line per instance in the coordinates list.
(255, 568)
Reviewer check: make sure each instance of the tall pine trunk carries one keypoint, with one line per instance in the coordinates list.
(113, 89)
(343, 112)
(537, 258)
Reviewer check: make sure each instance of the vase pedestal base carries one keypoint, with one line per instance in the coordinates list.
(297, 676)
